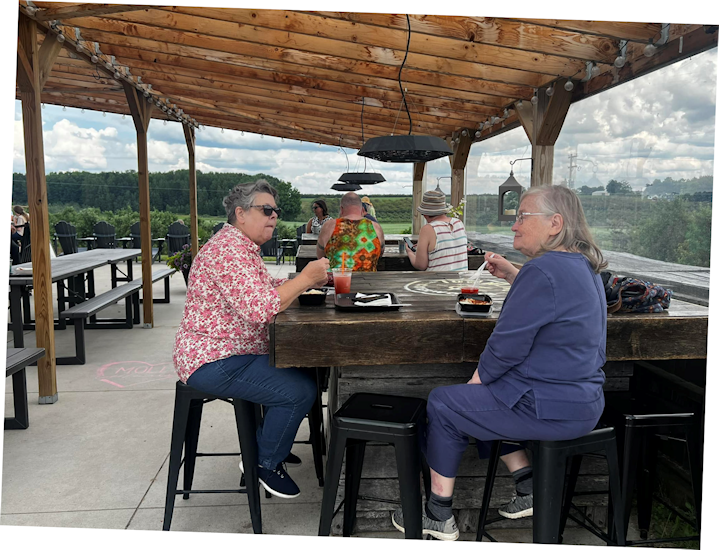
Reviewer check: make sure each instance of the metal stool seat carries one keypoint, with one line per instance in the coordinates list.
(186, 433)
(373, 417)
(552, 498)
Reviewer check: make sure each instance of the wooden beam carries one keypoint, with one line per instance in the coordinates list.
(37, 201)
(554, 115)
(141, 111)
(190, 141)
(417, 190)
(84, 10)
(636, 32)
(459, 162)
(525, 113)
(48, 53)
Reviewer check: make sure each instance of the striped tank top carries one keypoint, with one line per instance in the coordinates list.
(450, 252)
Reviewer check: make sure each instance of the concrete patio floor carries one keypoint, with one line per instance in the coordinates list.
(98, 457)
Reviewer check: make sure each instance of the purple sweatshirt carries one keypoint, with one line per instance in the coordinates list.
(551, 338)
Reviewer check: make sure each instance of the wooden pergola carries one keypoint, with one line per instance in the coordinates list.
(322, 77)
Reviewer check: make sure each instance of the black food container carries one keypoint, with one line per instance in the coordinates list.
(313, 299)
(474, 307)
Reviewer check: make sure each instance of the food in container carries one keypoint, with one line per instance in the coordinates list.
(480, 303)
(313, 297)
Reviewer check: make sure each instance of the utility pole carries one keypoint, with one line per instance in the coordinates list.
(572, 166)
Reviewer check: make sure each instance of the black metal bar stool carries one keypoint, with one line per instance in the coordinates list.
(186, 433)
(373, 417)
(552, 496)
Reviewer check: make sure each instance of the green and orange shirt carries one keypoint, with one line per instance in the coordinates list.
(358, 241)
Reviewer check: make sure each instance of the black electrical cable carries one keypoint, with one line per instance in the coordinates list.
(401, 88)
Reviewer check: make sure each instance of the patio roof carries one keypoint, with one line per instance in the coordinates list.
(325, 76)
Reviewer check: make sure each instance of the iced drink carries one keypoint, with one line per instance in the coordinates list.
(342, 279)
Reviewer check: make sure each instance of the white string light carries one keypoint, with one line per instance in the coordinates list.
(534, 99)
(569, 85)
(550, 91)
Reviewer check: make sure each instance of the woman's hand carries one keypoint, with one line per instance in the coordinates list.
(500, 267)
(316, 272)
(475, 378)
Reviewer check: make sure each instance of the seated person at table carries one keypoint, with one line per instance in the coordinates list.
(540, 375)
(442, 244)
(319, 207)
(352, 237)
(366, 214)
(370, 207)
(221, 346)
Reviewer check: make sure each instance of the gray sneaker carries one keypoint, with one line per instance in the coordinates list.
(442, 530)
(518, 507)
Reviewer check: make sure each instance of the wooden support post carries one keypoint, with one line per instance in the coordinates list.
(459, 162)
(190, 140)
(542, 123)
(417, 179)
(31, 63)
(141, 111)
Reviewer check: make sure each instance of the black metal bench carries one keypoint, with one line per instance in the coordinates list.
(17, 360)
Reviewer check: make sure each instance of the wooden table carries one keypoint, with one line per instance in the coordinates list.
(394, 239)
(72, 267)
(16, 361)
(391, 259)
(426, 345)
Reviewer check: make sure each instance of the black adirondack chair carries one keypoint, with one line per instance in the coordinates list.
(270, 247)
(178, 235)
(104, 234)
(25, 254)
(67, 235)
(135, 235)
(218, 227)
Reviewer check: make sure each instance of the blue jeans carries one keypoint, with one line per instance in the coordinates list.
(286, 394)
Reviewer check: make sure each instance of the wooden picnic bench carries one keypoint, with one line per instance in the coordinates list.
(17, 360)
(90, 308)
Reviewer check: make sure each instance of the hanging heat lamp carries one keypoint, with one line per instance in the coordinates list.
(361, 178)
(346, 187)
(407, 148)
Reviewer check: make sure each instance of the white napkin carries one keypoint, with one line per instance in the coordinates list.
(385, 301)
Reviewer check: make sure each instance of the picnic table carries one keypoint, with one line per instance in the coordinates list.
(16, 361)
(395, 239)
(427, 345)
(392, 259)
(71, 267)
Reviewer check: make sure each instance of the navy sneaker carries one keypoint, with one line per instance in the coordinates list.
(277, 481)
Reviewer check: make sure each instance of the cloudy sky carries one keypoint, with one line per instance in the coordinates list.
(656, 126)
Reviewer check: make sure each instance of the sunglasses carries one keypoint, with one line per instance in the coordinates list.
(267, 209)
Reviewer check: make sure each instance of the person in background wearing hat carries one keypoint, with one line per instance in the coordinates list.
(352, 237)
(366, 214)
(370, 207)
(442, 244)
(540, 375)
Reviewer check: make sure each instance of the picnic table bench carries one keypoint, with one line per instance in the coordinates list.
(17, 360)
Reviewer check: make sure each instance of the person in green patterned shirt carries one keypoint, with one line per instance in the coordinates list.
(357, 239)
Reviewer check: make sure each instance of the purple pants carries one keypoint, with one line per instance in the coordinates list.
(455, 413)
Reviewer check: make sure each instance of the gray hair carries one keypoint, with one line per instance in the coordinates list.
(243, 194)
(575, 235)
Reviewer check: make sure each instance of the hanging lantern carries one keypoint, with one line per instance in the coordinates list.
(509, 186)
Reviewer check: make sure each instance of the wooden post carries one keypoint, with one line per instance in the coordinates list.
(459, 162)
(417, 179)
(141, 111)
(190, 140)
(542, 123)
(34, 63)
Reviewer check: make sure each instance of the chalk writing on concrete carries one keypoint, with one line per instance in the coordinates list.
(126, 374)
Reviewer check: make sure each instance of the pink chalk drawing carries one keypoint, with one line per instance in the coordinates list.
(126, 374)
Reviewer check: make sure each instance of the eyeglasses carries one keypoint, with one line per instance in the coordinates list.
(520, 218)
(267, 209)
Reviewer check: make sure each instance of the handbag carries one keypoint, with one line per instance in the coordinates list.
(634, 295)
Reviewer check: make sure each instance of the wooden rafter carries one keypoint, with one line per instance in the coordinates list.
(83, 10)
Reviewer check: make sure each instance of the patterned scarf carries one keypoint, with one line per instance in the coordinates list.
(358, 240)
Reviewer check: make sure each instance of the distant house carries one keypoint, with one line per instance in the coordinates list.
(599, 193)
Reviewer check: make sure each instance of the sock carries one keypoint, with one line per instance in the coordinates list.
(439, 508)
(523, 480)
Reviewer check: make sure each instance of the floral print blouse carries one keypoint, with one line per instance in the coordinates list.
(231, 299)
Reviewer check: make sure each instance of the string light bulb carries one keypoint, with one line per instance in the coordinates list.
(534, 99)
(464, 133)
(595, 70)
(78, 47)
(620, 61)
(242, 133)
(61, 38)
(123, 116)
(64, 108)
(94, 58)
(104, 113)
(118, 76)
(650, 49)
(222, 131)
(550, 91)
(164, 122)
(569, 85)
(478, 134)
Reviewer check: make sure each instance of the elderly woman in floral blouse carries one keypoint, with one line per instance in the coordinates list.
(221, 346)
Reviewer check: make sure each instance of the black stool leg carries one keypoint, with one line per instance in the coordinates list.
(695, 465)
(488, 486)
(576, 464)
(630, 467)
(615, 494)
(192, 436)
(179, 427)
(246, 426)
(645, 485)
(353, 475)
(408, 468)
(549, 472)
(315, 419)
(332, 480)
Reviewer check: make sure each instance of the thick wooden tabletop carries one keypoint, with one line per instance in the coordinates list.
(68, 265)
(429, 330)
